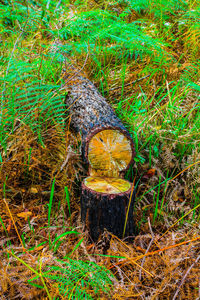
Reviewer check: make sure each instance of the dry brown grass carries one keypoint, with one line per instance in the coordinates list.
(152, 266)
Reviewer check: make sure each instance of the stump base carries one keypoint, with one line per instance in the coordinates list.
(104, 205)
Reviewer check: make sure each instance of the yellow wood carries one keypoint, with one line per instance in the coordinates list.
(107, 185)
(104, 173)
(109, 152)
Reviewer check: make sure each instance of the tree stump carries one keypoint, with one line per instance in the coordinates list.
(104, 205)
(108, 149)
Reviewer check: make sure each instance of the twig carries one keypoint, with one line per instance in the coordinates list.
(120, 274)
(149, 246)
(13, 221)
(130, 83)
(184, 277)
(57, 5)
(65, 161)
(139, 292)
(48, 4)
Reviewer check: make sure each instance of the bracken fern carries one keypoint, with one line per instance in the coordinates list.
(76, 278)
(29, 98)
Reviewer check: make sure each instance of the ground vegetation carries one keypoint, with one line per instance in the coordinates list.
(143, 56)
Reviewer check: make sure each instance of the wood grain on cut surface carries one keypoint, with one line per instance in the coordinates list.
(109, 150)
(107, 185)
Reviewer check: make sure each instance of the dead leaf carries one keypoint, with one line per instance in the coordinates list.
(33, 190)
(9, 225)
(24, 214)
(38, 248)
(150, 173)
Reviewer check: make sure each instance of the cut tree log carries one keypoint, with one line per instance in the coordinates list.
(108, 149)
(101, 129)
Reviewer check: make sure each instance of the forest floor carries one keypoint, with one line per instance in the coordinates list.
(143, 56)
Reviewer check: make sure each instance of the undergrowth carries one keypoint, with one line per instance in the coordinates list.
(143, 56)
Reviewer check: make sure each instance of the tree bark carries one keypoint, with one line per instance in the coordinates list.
(90, 113)
(101, 211)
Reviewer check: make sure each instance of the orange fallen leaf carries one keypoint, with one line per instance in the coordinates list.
(33, 190)
(38, 248)
(90, 246)
(24, 214)
(150, 173)
(9, 225)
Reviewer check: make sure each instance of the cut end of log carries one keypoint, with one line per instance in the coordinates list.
(107, 185)
(109, 153)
